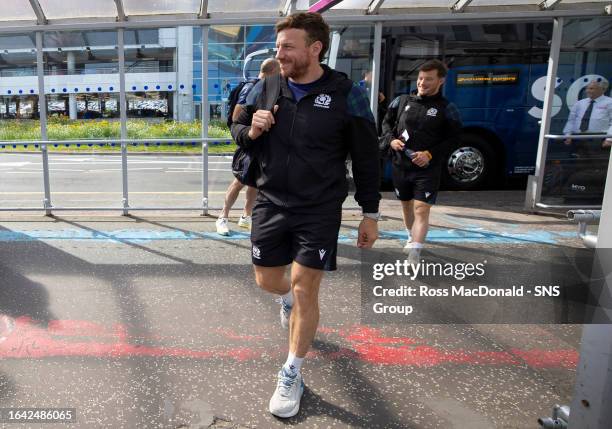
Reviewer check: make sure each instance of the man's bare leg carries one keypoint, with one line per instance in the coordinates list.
(408, 216)
(305, 283)
(245, 219)
(230, 198)
(420, 226)
(251, 194)
(272, 279)
(231, 195)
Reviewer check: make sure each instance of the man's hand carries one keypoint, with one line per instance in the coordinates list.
(367, 234)
(606, 143)
(420, 158)
(262, 121)
(397, 145)
(567, 142)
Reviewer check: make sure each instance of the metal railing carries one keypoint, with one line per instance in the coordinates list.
(584, 218)
(125, 208)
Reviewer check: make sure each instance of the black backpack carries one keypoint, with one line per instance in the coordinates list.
(383, 142)
(244, 165)
(233, 98)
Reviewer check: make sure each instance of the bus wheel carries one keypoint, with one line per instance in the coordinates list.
(469, 164)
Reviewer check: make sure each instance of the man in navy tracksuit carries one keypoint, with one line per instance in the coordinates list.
(416, 132)
(320, 117)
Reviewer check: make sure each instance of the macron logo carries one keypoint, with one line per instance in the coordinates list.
(432, 112)
(322, 253)
(322, 100)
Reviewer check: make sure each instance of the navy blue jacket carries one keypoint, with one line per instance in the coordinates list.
(302, 157)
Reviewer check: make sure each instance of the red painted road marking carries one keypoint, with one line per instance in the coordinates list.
(26, 340)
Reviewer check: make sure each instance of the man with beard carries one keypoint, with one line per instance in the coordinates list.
(319, 118)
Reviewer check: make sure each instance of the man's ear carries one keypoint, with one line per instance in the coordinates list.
(316, 48)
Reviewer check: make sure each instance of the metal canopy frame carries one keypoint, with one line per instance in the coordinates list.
(38, 11)
(374, 7)
(445, 17)
(120, 10)
(203, 12)
(375, 11)
(549, 4)
(460, 5)
(375, 14)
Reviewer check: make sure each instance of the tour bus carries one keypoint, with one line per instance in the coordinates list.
(497, 75)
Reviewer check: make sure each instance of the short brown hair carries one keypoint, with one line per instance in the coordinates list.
(313, 24)
(437, 65)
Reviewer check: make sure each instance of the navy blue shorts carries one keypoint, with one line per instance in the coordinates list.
(417, 184)
(280, 236)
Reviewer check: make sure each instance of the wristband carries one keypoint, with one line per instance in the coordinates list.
(374, 216)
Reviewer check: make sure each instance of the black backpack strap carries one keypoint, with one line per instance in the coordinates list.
(270, 92)
(403, 102)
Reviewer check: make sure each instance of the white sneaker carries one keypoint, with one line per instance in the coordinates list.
(408, 246)
(285, 312)
(245, 222)
(414, 257)
(222, 227)
(285, 401)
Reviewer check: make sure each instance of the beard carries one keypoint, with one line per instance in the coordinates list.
(296, 68)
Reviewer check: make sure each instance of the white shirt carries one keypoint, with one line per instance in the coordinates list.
(601, 116)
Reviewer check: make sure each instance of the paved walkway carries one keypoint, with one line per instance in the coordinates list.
(155, 321)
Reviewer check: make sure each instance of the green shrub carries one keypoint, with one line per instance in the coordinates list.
(65, 129)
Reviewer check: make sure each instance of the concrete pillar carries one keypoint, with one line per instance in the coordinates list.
(72, 97)
(183, 99)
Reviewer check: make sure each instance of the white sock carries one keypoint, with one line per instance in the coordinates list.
(288, 298)
(409, 235)
(414, 245)
(293, 364)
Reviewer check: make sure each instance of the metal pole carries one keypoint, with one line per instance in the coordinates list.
(551, 76)
(42, 101)
(123, 119)
(333, 49)
(205, 119)
(376, 70)
(590, 407)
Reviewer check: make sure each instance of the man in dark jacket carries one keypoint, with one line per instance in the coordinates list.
(320, 117)
(415, 132)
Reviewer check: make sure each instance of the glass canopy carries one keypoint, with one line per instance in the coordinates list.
(49, 12)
